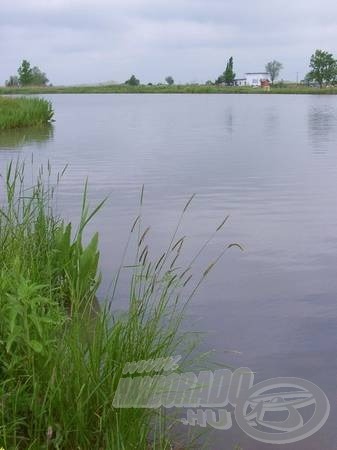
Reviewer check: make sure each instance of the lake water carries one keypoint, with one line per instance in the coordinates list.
(270, 163)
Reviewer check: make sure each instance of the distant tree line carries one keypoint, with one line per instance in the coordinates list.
(323, 72)
(133, 81)
(228, 76)
(27, 76)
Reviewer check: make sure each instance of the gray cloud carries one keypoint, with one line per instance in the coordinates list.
(79, 41)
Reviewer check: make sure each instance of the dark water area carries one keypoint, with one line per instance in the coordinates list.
(270, 163)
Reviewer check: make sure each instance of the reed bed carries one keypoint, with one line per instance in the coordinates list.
(24, 112)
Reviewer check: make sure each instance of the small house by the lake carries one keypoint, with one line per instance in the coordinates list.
(254, 79)
(240, 82)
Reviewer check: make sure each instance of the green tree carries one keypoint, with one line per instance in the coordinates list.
(228, 76)
(169, 80)
(13, 81)
(132, 81)
(307, 79)
(220, 79)
(39, 78)
(274, 68)
(324, 68)
(25, 73)
(229, 73)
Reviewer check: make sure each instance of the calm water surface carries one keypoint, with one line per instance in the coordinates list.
(270, 162)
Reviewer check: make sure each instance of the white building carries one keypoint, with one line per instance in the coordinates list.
(252, 79)
(255, 78)
(240, 82)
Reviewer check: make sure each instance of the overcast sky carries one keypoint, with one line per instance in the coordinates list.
(88, 41)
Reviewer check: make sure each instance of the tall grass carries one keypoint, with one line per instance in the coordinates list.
(24, 112)
(60, 357)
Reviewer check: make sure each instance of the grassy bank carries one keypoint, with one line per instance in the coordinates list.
(61, 358)
(24, 112)
(176, 89)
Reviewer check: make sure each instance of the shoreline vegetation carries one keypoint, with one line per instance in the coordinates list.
(169, 89)
(322, 73)
(24, 112)
(60, 358)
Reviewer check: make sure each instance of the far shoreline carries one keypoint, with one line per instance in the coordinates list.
(163, 89)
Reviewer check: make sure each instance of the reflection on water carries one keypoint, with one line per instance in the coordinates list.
(322, 125)
(271, 121)
(21, 137)
(229, 121)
